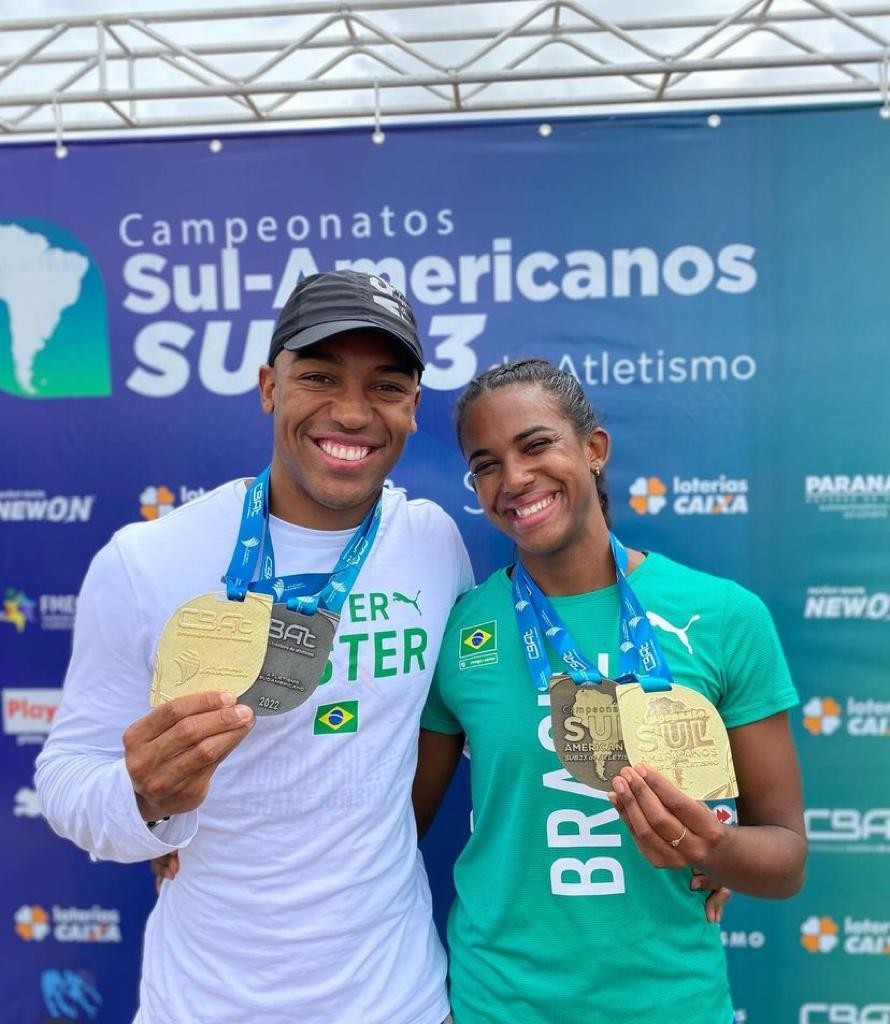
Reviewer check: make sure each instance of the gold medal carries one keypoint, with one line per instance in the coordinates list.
(210, 643)
(680, 734)
(587, 730)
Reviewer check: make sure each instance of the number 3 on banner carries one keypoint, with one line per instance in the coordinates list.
(459, 330)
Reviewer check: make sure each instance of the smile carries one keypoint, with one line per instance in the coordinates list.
(526, 512)
(344, 452)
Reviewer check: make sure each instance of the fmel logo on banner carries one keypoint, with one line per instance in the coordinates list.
(17, 610)
(53, 314)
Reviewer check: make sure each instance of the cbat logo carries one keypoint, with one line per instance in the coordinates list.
(32, 923)
(331, 718)
(69, 994)
(849, 829)
(53, 314)
(690, 496)
(647, 495)
(819, 934)
(822, 716)
(17, 610)
(844, 1013)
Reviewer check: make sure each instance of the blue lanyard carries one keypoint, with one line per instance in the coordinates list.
(254, 539)
(640, 659)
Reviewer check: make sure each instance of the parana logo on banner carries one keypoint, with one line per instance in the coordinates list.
(216, 286)
(857, 496)
(53, 314)
(690, 496)
(846, 603)
(823, 716)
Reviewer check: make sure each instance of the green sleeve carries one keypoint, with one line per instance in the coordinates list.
(437, 716)
(756, 681)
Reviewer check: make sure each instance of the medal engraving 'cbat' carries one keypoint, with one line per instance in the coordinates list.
(210, 643)
(298, 650)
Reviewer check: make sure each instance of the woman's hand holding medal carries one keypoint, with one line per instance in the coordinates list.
(172, 752)
(671, 829)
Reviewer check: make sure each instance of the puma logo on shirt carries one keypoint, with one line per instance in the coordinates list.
(662, 623)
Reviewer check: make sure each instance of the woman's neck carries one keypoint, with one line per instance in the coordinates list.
(578, 568)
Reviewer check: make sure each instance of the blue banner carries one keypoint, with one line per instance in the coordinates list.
(721, 295)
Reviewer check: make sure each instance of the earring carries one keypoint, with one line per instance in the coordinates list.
(597, 471)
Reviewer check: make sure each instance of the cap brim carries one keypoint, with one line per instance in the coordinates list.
(320, 332)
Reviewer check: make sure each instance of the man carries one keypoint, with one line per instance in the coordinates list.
(301, 896)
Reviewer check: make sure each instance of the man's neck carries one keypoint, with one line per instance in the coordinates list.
(289, 502)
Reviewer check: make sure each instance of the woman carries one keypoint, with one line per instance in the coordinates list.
(560, 914)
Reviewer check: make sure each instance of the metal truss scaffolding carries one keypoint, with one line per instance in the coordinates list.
(310, 63)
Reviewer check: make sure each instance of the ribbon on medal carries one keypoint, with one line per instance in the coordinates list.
(598, 724)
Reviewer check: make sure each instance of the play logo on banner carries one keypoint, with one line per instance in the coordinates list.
(29, 713)
(53, 314)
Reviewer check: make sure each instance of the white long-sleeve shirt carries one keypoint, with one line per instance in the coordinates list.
(301, 895)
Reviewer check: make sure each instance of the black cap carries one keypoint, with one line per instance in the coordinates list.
(344, 300)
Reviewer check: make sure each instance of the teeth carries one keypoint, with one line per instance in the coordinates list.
(348, 453)
(529, 510)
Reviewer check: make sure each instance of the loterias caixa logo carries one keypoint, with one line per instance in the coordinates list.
(54, 338)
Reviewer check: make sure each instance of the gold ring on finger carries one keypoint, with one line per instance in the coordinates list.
(676, 842)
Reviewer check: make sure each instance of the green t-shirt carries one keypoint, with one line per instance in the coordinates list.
(559, 919)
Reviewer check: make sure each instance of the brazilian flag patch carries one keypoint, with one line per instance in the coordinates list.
(478, 645)
(331, 718)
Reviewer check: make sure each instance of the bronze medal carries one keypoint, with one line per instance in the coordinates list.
(210, 643)
(680, 734)
(587, 730)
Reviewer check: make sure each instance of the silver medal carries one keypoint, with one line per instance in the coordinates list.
(296, 655)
